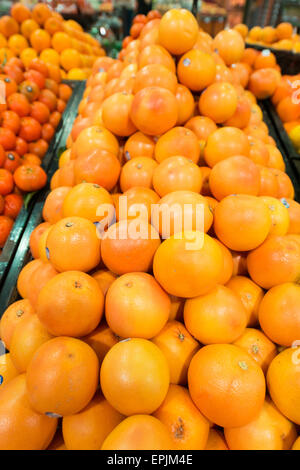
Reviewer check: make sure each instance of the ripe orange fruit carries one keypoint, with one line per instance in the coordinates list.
(154, 110)
(250, 294)
(188, 427)
(216, 440)
(177, 141)
(278, 308)
(178, 31)
(101, 340)
(136, 306)
(235, 175)
(123, 251)
(185, 103)
(62, 300)
(283, 383)
(230, 46)
(38, 279)
(225, 142)
(275, 261)
(22, 427)
(211, 374)
(72, 244)
(11, 317)
(116, 114)
(270, 430)
(29, 334)
(196, 70)
(155, 75)
(41, 13)
(178, 346)
(124, 382)
(279, 215)
(85, 200)
(35, 236)
(94, 137)
(57, 363)
(242, 222)
(139, 145)
(137, 205)
(99, 167)
(137, 172)
(7, 369)
(258, 345)
(216, 317)
(140, 432)
(176, 174)
(88, 429)
(185, 210)
(263, 83)
(218, 102)
(188, 266)
(285, 186)
(52, 210)
(40, 40)
(293, 208)
(266, 59)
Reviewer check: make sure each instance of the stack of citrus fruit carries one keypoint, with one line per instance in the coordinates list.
(43, 33)
(190, 333)
(281, 37)
(35, 99)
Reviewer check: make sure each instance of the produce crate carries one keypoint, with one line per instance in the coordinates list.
(284, 143)
(12, 254)
(288, 61)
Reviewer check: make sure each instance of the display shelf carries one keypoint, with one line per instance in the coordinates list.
(12, 254)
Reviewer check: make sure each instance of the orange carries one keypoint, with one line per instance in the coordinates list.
(242, 29)
(56, 364)
(88, 429)
(41, 13)
(104, 278)
(250, 294)
(296, 445)
(155, 75)
(235, 175)
(136, 306)
(8, 370)
(268, 182)
(101, 340)
(201, 126)
(139, 145)
(230, 46)
(72, 244)
(196, 70)
(62, 300)
(263, 83)
(228, 265)
(178, 347)
(28, 26)
(52, 25)
(137, 172)
(188, 266)
(93, 137)
(17, 43)
(25, 274)
(49, 56)
(270, 430)
(177, 141)
(154, 110)
(116, 114)
(86, 200)
(136, 203)
(216, 317)
(134, 377)
(285, 185)
(216, 440)
(259, 153)
(275, 261)
(70, 59)
(284, 30)
(185, 103)
(39, 278)
(293, 208)
(52, 210)
(211, 374)
(241, 117)
(242, 222)
(288, 109)
(20, 12)
(283, 383)
(279, 215)
(8, 26)
(258, 345)
(11, 317)
(225, 142)
(184, 210)
(22, 427)
(28, 336)
(27, 55)
(218, 102)
(264, 60)
(40, 40)
(99, 167)
(178, 31)
(268, 34)
(279, 307)
(188, 427)
(155, 54)
(123, 250)
(177, 174)
(140, 432)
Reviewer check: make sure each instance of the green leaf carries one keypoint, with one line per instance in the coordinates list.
(27, 198)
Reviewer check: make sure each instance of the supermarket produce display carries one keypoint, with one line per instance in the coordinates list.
(152, 302)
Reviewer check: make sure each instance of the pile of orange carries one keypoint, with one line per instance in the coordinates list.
(35, 99)
(45, 34)
(132, 337)
(281, 37)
